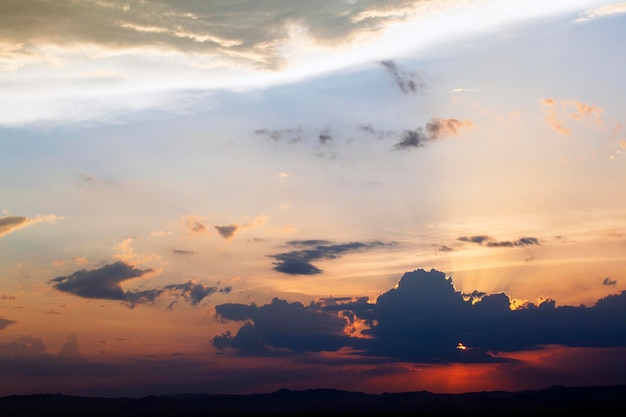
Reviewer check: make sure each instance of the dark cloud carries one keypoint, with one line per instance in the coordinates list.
(407, 82)
(7, 297)
(435, 129)
(105, 283)
(609, 281)
(280, 325)
(227, 231)
(184, 252)
(475, 239)
(325, 137)
(492, 243)
(444, 248)
(423, 319)
(102, 283)
(5, 323)
(298, 262)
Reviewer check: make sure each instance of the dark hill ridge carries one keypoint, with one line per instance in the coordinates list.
(595, 400)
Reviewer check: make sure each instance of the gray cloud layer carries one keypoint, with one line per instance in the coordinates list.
(299, 261)
(9, 223)
(105, 283)
(423, 319)
(245, 30)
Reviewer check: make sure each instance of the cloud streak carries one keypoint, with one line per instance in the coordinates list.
(299, 261)
(407, 82)
(434, 130)
(492, 243)
(9, 224)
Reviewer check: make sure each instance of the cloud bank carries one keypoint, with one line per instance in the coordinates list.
(423, 319)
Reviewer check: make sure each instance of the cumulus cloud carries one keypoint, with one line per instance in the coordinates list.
(106, 283)
(434, 130)
(299, 261)
(555, 111)
(602, 11)
(407, 82)
(423, 319)
(492, 243)
(10, 224)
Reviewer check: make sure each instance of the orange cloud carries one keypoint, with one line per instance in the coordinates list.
(556, 111)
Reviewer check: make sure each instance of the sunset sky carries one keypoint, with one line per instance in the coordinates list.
(246, 195)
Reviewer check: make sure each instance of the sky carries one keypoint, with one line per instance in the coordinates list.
(367, 195)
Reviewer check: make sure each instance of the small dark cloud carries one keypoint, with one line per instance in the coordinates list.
(105, 283)
(435, 129)
(475, 239)
(444, 248)
(492, 243)
(299, 261)
(5, 323)
(407, 82)
(191, 292)
(377, 133)
(184, 252)
(7, 297)
(227, 231)
(325, 137)
(609, 281)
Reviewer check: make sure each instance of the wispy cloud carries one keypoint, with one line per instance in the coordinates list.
(434, 130)
(556, 110)
(9, 224)
(602, 11)
(409, 82)
(299, 261)
(230, 230)
(492, 243)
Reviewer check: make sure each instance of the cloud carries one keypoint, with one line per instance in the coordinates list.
(407, 82)
(492, 243)
(227, 231)
(556, 110)
(609, 281)
(184, 252)
(10, 224)
(4, 323)
(325, 137)
(378, 133)
(281, 326)
(602, 11)
(423, 319)
(196, 225)
(434, 130)
(7, 297)
(243, 32)
(298, 261)
(230, 230)
(24, 345)
(71, 348)
(105, 283)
